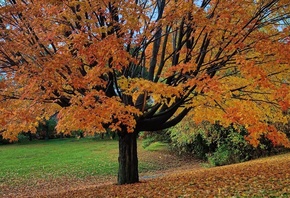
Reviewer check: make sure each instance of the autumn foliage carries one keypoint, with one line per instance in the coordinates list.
(143, 65)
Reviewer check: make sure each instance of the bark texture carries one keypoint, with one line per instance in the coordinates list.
(128, 160)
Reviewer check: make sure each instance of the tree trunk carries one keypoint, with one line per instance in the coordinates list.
(128, 160)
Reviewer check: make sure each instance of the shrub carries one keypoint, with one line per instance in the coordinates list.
(189, 141)
(217, 144)
(22, 137)
(221, 156)
(46, 129)
(3, 141)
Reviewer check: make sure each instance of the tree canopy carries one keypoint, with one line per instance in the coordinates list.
(142, 65)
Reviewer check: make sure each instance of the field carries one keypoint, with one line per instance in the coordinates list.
(67, 163)
(88, 168)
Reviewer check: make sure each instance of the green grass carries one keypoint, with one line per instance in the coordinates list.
(157, 146)
(60, 158)
(56, 158)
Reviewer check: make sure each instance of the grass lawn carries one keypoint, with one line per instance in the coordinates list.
(88, 168)
(56, 158)
(157, 146)
(70, 158)
(58, 165)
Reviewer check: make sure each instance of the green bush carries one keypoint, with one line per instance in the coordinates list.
(230, 151)
(221, 156)
(217, 144)
(22, 137)
(195, 144)
(234, 142)
(46, 129)
(3, 141)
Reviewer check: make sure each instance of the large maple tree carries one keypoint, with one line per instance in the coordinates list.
(143, 65)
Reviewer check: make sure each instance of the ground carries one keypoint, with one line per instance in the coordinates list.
(267, 177)
(164, 159)
(176, 177)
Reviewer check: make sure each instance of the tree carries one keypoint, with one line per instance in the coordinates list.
(141, 65)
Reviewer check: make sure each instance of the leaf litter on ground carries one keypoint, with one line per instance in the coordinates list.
(267, 177)
(153, 164)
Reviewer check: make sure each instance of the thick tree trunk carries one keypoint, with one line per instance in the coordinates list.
(128, 160)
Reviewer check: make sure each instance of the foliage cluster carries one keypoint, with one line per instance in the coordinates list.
(44, 131)
(217, 144)
(143, 65)
(47, 130)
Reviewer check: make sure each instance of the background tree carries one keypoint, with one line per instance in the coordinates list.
(141, 65)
